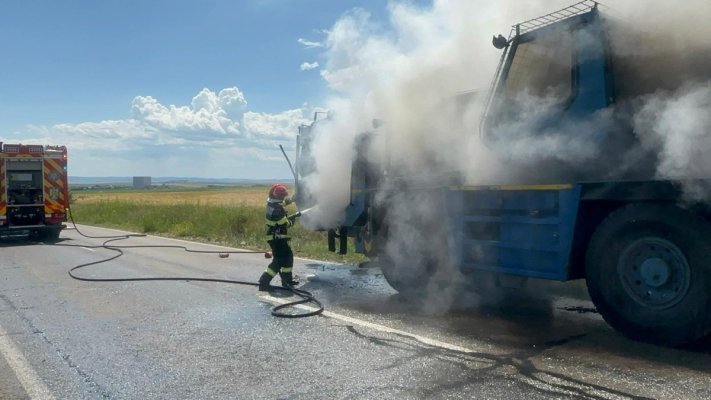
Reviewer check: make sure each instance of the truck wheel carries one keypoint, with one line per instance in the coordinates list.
(409, 280)
(647, 273)
(412, 244)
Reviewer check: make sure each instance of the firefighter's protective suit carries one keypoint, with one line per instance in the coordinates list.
(278, 222)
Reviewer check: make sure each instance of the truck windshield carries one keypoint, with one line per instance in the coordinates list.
(542, 68)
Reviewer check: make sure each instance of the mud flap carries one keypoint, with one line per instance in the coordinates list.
(342, 236)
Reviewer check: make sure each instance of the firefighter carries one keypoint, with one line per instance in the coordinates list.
(277, 224)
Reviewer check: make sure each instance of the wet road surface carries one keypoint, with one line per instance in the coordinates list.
(61, 338)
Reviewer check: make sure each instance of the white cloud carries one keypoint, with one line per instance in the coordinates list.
(309, 66)
(309, 44)
(214, 136)
(231, 101)
(209, 113)
(283, 125)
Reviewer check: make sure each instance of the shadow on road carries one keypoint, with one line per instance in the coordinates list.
(551, 322)
(481, 367)
(547, 314)
(17, 240)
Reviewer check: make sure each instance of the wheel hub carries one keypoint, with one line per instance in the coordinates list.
(654, 272)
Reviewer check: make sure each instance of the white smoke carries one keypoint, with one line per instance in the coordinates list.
(402, 76)
(677, 127)
(426, 75)
(332, 152)
(409, 74)
(663, 52)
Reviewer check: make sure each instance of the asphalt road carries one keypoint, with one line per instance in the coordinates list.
(66, 339)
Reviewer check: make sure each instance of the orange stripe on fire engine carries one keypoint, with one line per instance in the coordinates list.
(59, 202)
(48, 183)
(50, 207)
(53, 165)
(33, 155)
(51, 203)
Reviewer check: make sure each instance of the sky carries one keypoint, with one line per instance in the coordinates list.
(168, 88)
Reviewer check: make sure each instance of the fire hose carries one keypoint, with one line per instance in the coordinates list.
(306, 297)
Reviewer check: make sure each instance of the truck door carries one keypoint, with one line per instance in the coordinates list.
(550, 76)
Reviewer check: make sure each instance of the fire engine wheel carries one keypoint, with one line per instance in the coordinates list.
(48, 235)
(648, 275)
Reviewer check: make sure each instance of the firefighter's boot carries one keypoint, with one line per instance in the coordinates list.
(264, 282)
(287, 280)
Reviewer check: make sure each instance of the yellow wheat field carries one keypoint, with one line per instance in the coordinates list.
(242, 196)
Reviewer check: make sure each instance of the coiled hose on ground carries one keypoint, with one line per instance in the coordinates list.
(306, 297)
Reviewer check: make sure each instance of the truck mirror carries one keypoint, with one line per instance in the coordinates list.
(500, 42)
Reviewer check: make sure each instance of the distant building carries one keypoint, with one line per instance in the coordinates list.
(141, 182)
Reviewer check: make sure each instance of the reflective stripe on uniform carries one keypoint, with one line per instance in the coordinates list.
(270, 272)
(287, 270)
(282, 221)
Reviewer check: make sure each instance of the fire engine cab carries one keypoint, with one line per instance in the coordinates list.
(34, 195)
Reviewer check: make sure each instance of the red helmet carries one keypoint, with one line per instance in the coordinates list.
(278, 192)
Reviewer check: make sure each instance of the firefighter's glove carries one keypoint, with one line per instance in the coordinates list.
(292, 218)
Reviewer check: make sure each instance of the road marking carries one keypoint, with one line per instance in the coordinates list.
(27, 376)
(383, 328)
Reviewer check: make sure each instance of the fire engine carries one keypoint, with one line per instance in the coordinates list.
(34, 195)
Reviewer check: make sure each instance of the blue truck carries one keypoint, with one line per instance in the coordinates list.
(641, 248)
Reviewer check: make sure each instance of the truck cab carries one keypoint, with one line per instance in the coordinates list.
(636, 240)
(563, 62)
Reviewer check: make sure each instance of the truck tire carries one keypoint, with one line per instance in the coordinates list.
(648, 275)
(409, 280)
(412, 243)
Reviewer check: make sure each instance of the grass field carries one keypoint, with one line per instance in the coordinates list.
(242, 196)
(230, 216)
